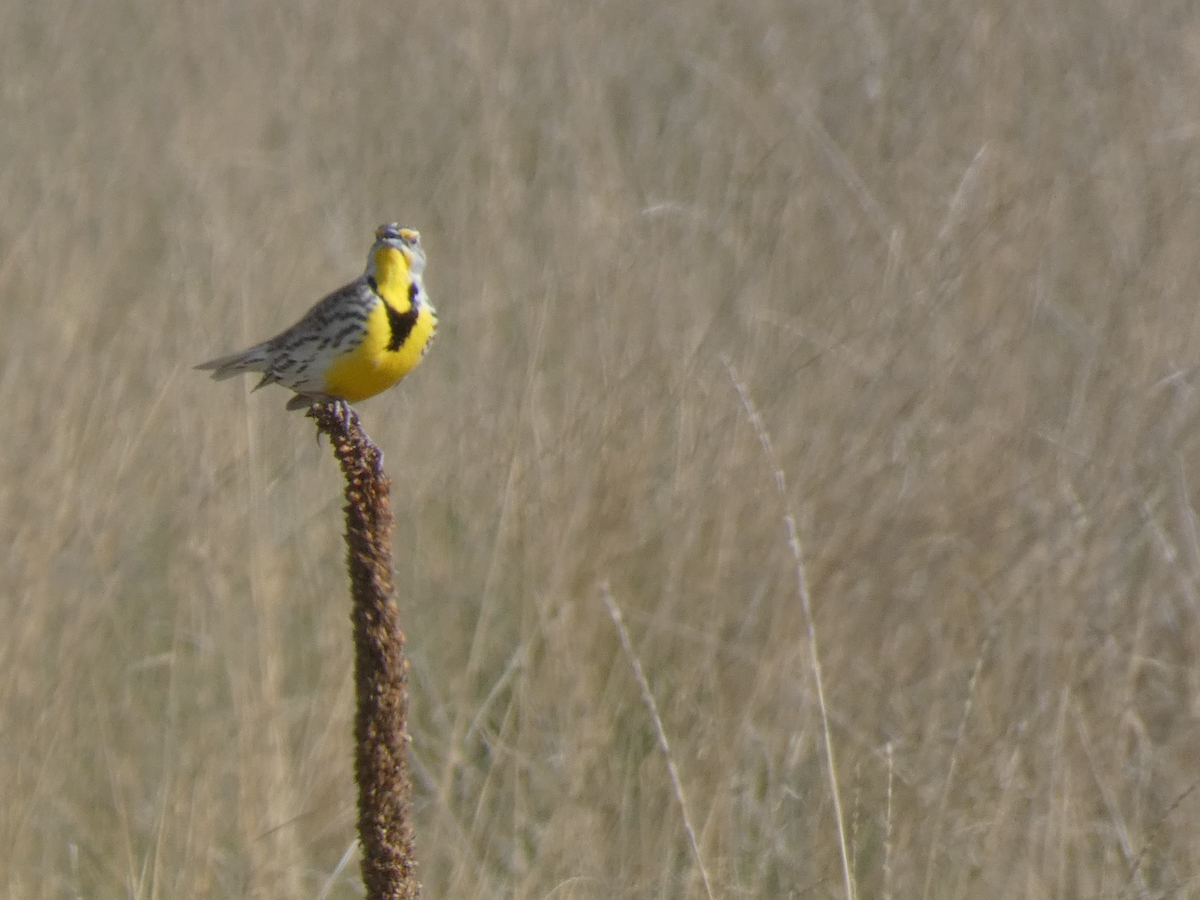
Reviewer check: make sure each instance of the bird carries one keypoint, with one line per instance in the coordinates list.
(359, 340)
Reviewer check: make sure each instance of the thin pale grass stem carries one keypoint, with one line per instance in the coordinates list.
(958, 202)
(958, 742)
(514, 664)
(802, 589)
(337, 870)
(1059, 818)
(1110, 804)
(841, 164)
(648, 699)
(887, 830)
(854, 815)
(73, 862)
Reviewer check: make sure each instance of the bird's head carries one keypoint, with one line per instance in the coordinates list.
(391, 238)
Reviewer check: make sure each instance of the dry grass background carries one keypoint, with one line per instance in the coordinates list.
(950, 249)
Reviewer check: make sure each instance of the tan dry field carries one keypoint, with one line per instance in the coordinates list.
(950, 251)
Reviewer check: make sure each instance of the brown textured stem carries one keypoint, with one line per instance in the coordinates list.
(389, 867)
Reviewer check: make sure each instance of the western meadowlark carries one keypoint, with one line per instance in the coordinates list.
(358, 341)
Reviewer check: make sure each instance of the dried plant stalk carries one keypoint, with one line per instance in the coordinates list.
(389, 867)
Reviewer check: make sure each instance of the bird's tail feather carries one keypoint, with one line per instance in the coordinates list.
(252, 360)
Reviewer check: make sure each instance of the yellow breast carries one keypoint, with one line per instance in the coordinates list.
(398, 331)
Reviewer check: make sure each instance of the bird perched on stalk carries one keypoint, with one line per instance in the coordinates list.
(356, 342)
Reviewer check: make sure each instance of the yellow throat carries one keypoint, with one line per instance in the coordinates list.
(398, 331)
